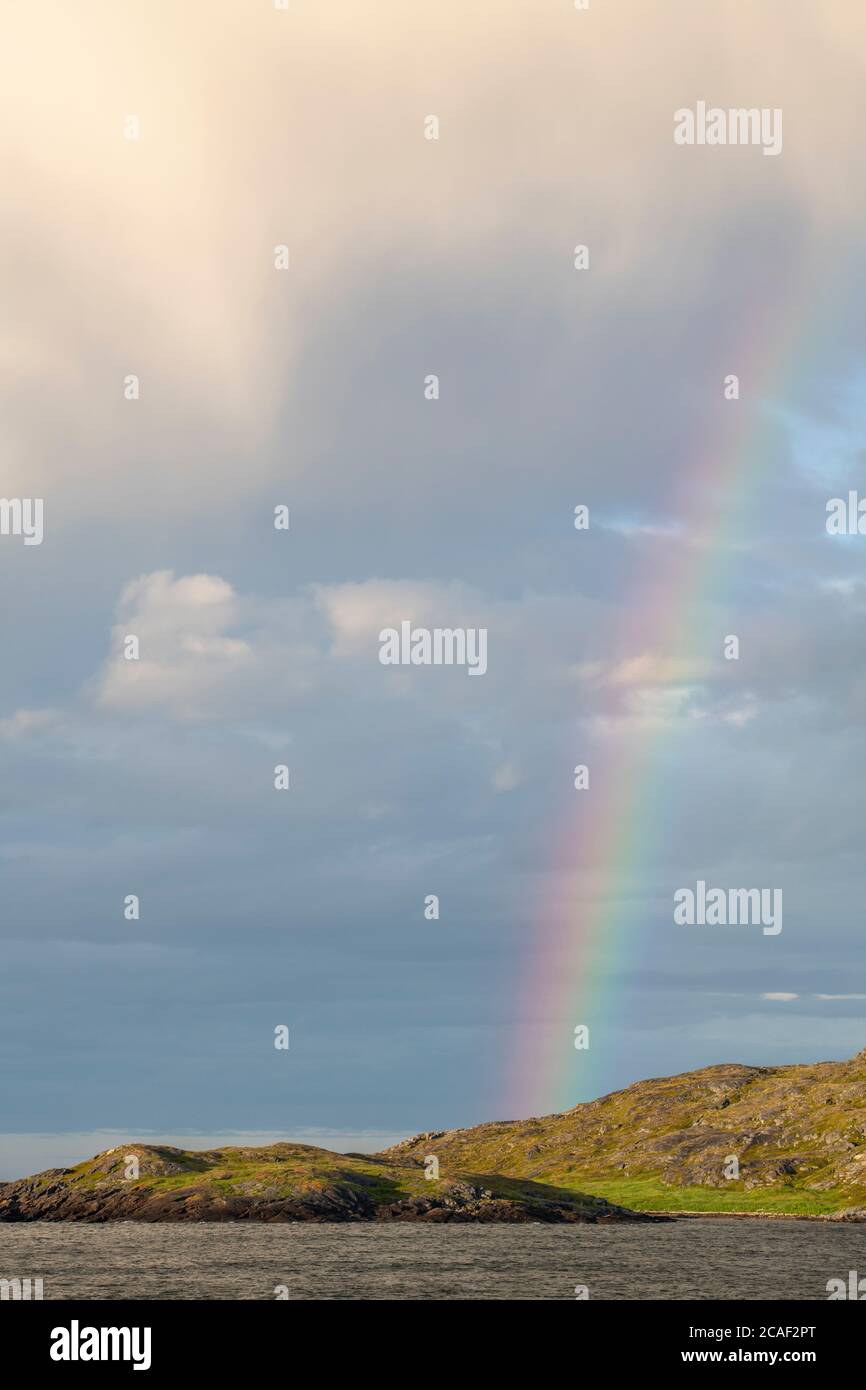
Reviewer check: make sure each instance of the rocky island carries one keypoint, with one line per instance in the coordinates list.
(285, 1182)
(730, 1140)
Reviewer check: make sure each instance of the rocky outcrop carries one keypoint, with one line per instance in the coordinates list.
(283, 1182)
(797, 1133)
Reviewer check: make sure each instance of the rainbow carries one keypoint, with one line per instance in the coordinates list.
(604, 848)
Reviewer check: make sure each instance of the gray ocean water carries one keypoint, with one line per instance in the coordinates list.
(682, 1260)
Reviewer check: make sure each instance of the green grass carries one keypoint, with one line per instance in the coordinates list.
(648, 1194)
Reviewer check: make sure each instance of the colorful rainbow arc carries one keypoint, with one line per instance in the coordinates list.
(574, 957)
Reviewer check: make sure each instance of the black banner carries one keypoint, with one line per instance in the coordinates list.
(150, 1338)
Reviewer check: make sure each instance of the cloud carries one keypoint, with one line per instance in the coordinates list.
(206, 653)
(655, 530)
(185, 658)
(506, 777)
(558, 387)
(25, 723)
(323, 149)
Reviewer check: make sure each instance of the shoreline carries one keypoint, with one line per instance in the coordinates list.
(836, 1218)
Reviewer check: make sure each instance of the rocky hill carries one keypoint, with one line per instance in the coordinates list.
(725, 1139)
(283, 1182)
(797, 1133)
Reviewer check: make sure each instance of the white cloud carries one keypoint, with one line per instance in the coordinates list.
(186, 655)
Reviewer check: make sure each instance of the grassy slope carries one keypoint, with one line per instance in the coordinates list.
(649, 1194)
(799, 1134)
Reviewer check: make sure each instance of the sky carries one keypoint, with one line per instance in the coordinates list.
(260, 387)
